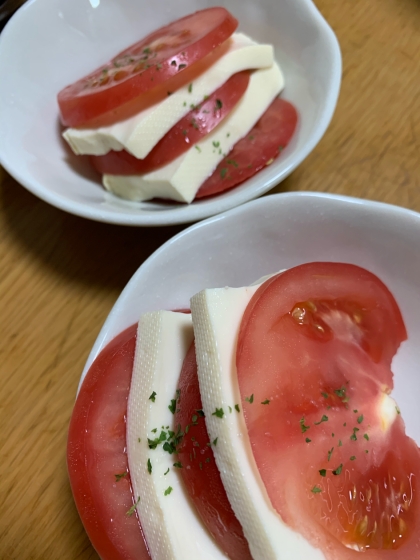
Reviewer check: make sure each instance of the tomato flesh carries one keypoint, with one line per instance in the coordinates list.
(261, 146)
(315, 345)
(163, 58)
(200, 473)
(96, 454)
(187, 132)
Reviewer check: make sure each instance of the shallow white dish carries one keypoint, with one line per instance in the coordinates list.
(51, 43)
(281, 231)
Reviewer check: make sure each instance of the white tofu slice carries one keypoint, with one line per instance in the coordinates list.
(170, 524)
(217, 316)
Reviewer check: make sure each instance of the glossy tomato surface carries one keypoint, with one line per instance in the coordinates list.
(314, 352)
(96, 454)
(256, 150)
(188, 131)
(200, 473)
(161, 62)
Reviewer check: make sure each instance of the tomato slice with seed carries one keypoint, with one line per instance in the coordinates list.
(165, 58)
(258, 149)
(200, 473)
(187, 132)
(96, 456)
(315, 345)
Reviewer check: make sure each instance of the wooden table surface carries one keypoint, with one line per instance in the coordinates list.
(60, 274)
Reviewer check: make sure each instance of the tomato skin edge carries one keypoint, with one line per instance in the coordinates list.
(79, 460)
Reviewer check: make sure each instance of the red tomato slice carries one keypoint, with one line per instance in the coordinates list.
(259, 148)
(96, 456)
(314, 349)
(187, 132)
(164, 58)
(200, 473)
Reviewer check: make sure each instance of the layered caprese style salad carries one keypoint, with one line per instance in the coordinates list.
(190, 111)
(259, 425)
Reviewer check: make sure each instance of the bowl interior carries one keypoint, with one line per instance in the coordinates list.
(281, 231)
(51, 43)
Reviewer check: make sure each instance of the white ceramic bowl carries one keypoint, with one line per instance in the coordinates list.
(281, 231)
(51, 43)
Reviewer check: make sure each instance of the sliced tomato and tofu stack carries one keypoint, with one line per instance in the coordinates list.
(159, 118)
(280, 425)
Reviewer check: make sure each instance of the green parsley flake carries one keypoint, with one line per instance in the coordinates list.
(366, 437)
(165, 473)
(149, 466)
(133, 508)
(360, 419)
(190, 88)
(330, 452)
(118, 477)
(169, 447)
(398, 410)
(200, 412)
(308, 440)
(339, 443)
(178, 465)
(323, 472)
(340, 392)
(172, 406)
(219, 104)
(323, 419)
(338, 470)
(352, 458)
(194, 418)
(302, 425)
(237, 408)
(153, 443)
(325, 395)
(265, 402)
(152, 397)
(223, 172)
(218, 412)
(316, 490)
(250, 399)
(232, 162)
(198, 148)
(168, 491)
(353, 436)
(215, 441)
(216, 144)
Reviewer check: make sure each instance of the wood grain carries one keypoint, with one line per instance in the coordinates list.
(60, 275)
